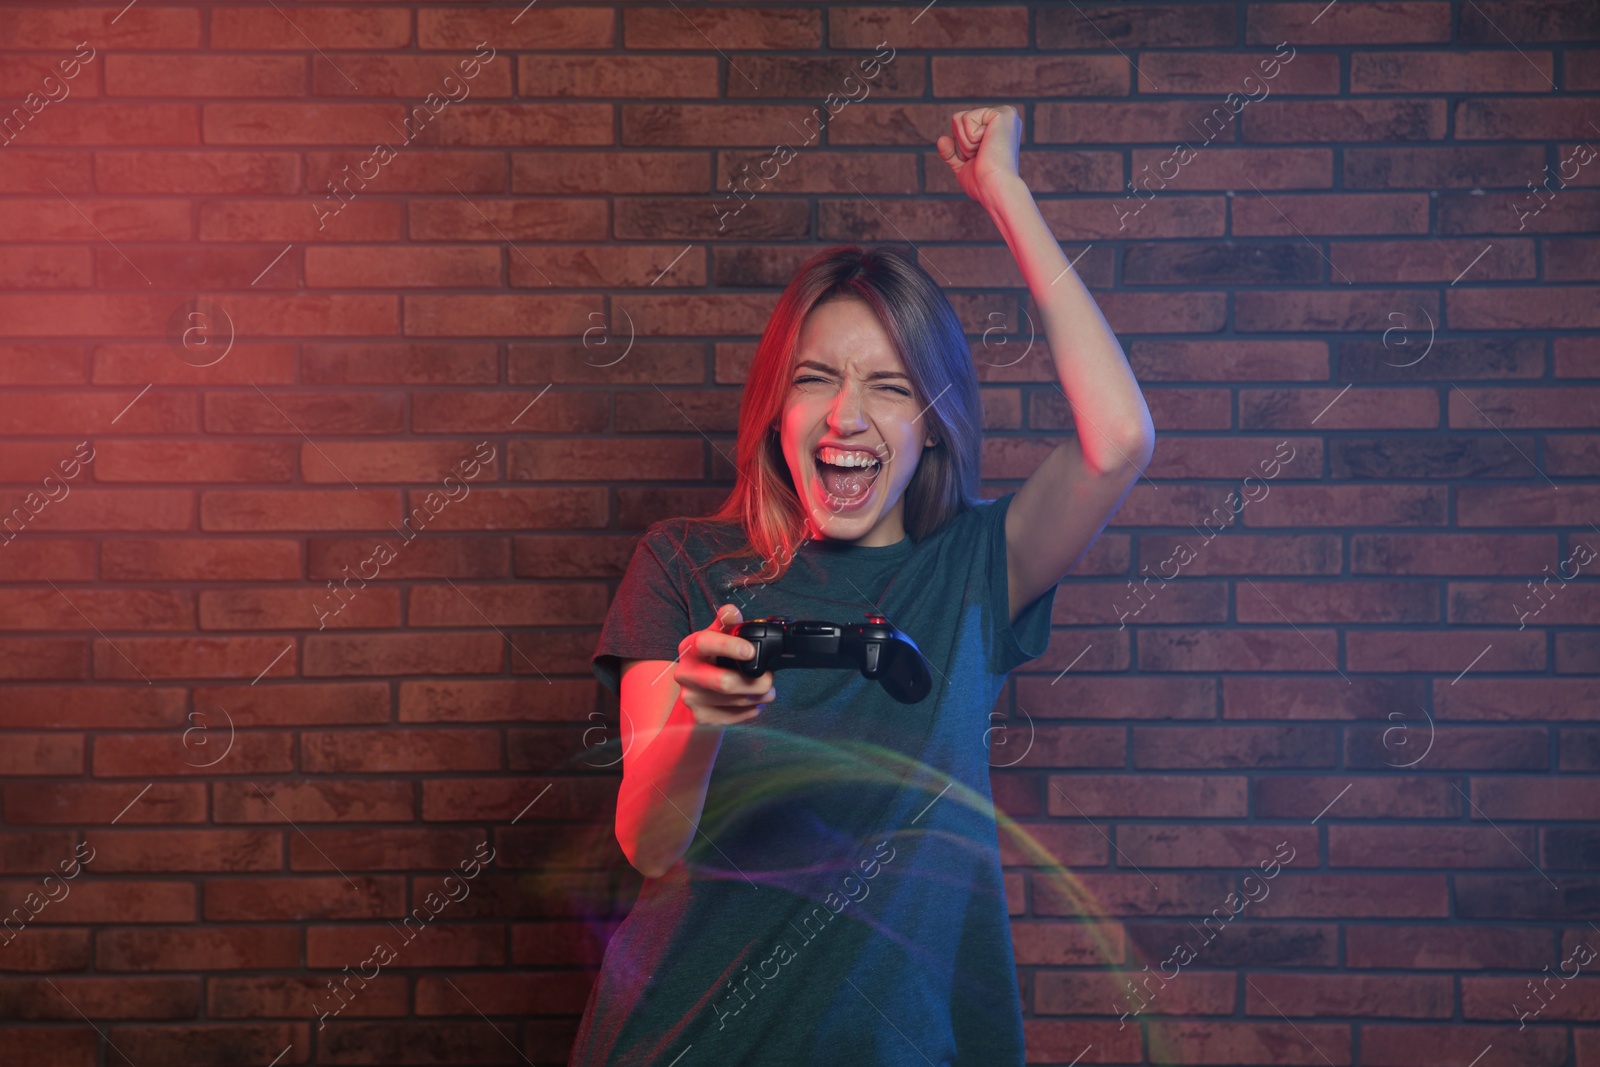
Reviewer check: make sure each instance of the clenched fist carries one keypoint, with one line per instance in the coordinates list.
(982, 148)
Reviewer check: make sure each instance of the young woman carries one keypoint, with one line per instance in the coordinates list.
(823, 881)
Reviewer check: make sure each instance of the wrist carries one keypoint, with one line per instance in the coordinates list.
(998, 194)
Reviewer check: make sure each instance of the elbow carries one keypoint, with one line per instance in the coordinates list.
(1130, 455)
(648, 865)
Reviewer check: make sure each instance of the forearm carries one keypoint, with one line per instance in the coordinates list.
(664, 792)
(1107, 406)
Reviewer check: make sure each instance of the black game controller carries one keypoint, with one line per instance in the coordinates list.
(874, 647)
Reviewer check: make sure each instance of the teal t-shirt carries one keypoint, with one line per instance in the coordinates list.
(842, 901)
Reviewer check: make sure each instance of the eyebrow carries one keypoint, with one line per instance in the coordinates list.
(874, 376)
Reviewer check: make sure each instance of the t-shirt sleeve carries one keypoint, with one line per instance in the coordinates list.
(649, 615)
(1014, 643)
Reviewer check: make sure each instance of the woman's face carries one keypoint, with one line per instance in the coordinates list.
(849, 389)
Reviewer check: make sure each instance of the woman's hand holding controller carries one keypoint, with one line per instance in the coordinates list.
(720, 696)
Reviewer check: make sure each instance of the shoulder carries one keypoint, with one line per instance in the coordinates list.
(689, 539)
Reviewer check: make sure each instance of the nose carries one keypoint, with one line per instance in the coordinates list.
(845, 414)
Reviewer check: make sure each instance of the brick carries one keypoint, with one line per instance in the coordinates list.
(1189, 650)
(1519, 212)
(446, 945)
(300, 222)
(1075, 993)
(67, 560)
(399, 364)
(300, 899)
(412, 78)
(1136, 26)
(1449, 847)
(474, 125)
(1237, 168)
(130, 219)
(216, 173)
(344, 607)
(1545, 20)
(1504, 898)
(205, 77)
(1438, 1046)
(382, 850)
(170, 850)
(300, 509)
(1356, 895)
(390, 654)
(1408, 355)
(141, 998)
(1389, 23)
(90, 707)
(361, 800)
(333, 27)
(1569, 408)
(1133, 122)
(187, 657)
(121, 901)
(481, 798)
(1388, 795)
(1572, 260)
(1219, 73)
(305, 413)
(95, 608)
(464, 411)
(1226, 263)
(41, 266)
(1443, 167)
(527, 509)
(639, 77)
(475, 1041)
(1441, 651)
(134, 755)
(1310, 310)
(1550, 798)
(42, 659)
(1453, 72)
(96, 803)
(996, 26)
(1054, 76)
(1454, 947)
(1380, 213)
(1133, 895)
(1353, 120)
(366, 752)
(182, 948)
(611, 171)
(1501, 506)
(173, 461)
(200, 559)
(507, 605)
(438, 556)
(1521, 120)
(492, 700)
(229, 997)
(1367, 996)
(1186, 845)
(1233, 360)
(561, 28)
(391, 268)
(1412, 739)
(42, 754)
(1431, 261)
(1084, 796)
(812, 77)
(203, 1046)
(627, 266)
(139, 365)
(1530, 699)
(411, 172)
(434, 316)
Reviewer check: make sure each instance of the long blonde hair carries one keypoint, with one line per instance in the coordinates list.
(928, 337)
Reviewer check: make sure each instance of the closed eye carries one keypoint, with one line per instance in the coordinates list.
(814, 378)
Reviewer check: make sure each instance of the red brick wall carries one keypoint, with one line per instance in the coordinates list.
(240, 790)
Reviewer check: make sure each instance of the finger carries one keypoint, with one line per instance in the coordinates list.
(965, 142)
(946, 149)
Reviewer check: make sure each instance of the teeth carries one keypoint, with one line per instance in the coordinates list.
(841, 458)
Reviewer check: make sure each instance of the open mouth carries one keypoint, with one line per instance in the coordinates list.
(847, 475)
